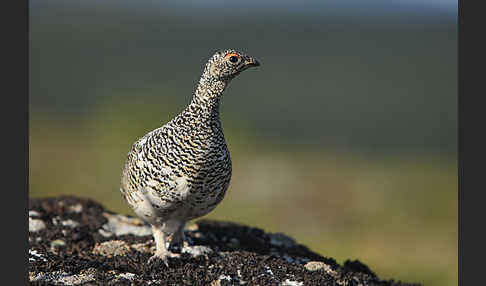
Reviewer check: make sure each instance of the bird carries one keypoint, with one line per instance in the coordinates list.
(182, 170)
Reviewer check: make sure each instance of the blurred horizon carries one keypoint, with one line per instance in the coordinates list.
(344, 138)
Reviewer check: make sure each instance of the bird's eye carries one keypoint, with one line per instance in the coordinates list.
(233, 57)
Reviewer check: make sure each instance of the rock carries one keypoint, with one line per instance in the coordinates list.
(34, 214)
(121, 225)
(56, 244)
(36, 225)
(319, 265)
(63, 278)
(288, 282)
(197, 250)
(111, 248)
(70, 223)
(80, 242)
(75, 208)
(35, 255)
(143, 247)
(128, 276)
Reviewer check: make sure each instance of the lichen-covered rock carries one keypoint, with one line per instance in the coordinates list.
(319, 265)
(111, 248)
(36, 225)
(75, 241)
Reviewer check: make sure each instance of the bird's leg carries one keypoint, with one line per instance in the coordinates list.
(178, 237)
(161, 251)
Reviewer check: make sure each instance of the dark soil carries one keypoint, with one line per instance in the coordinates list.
(241, 255)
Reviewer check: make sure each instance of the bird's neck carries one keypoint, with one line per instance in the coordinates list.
(206, 100)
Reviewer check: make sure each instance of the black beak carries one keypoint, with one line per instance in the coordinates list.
(252, 62)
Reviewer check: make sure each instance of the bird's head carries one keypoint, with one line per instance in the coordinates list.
(225, 65)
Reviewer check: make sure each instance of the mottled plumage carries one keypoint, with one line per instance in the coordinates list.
(182, 170)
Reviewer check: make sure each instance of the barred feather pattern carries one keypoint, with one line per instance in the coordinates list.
(182, 170)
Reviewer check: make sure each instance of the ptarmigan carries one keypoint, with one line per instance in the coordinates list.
(182, 170)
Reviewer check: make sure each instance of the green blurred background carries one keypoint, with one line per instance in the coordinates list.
(344, 138)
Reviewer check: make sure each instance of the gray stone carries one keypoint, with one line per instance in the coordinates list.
(143, 247)
(70, 223)
(34, 214)
(318, 265)
(58, 243)
(121, 225)
(77, 279)
(127, 275)
(197, 250)
(34, 255)
(77, 208)
(63, 278)
(288, 282)
(36, 225)
(111, 248)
